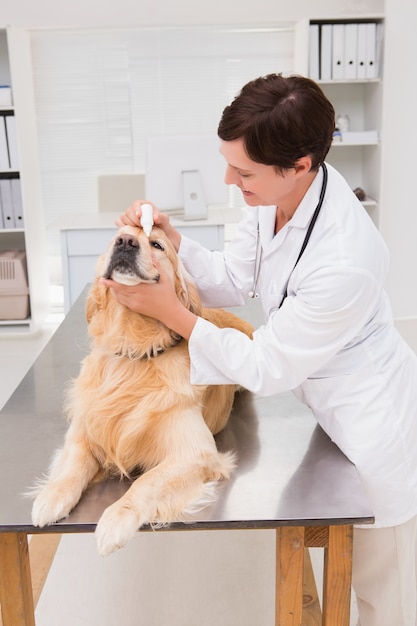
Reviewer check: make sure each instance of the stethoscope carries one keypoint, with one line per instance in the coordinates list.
(258, 252)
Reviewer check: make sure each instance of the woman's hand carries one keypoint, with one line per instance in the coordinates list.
(157, 300)
(133, 214)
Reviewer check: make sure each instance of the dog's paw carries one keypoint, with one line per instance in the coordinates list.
(116, 527)
(50, 506)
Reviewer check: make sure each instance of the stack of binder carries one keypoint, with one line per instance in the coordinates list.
(344, 51)
(11, 209)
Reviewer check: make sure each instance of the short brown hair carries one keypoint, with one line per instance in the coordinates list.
(280, 120)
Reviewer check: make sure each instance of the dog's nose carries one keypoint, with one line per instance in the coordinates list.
(124, 242)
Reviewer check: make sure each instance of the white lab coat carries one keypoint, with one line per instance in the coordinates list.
(333, 341)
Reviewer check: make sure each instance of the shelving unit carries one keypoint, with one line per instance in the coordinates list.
(15, 71)
(361, 100)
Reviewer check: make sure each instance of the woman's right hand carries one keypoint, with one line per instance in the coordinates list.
(133, 214)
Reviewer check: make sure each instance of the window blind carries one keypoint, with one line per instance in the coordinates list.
(100, 93)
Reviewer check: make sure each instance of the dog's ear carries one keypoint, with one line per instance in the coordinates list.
(95, 299)
(186, 290)
(96, 294)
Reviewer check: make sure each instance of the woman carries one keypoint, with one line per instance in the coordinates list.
(328, 334)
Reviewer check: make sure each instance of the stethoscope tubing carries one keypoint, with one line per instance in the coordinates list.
(258, 252)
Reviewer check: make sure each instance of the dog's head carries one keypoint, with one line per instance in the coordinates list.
(130, 260)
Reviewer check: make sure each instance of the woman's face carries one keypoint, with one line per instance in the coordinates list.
(260, 184)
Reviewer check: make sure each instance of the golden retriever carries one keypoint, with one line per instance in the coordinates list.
(132, 407)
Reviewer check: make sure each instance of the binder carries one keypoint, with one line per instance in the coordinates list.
(371, 62)
(361, 54)
(7, 203)
(313, 43)
(4, 154)
(351, 51)
(326, 52)
(379, 30)
(17, 203)
(338, 51)
(12, 141)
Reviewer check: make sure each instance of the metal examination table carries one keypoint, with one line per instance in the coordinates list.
(290, 478)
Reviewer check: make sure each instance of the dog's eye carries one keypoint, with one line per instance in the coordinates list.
(157, 245)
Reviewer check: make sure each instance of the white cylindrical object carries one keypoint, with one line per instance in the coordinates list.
(147, 218)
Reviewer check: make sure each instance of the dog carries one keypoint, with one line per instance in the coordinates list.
(133, 409)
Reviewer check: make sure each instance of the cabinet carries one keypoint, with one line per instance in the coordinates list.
(24, 230)
(336, 58)
(85, 237)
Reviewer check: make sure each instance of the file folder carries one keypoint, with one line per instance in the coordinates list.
(17, 203)
(338, 55)
(351, 51)
(361, 55)
(6, 202)
(326, 52)
(313, 43)
(371, 62)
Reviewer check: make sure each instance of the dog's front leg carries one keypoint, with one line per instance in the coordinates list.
(162, 495)
(72, 469)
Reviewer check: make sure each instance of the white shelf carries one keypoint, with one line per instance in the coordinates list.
(11, 230)
(369, 203)
(20, 323)
(353, 144)
(15, 70)
(354, 81)
(360, 99)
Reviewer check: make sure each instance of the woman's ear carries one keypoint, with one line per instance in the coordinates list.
(303, 166)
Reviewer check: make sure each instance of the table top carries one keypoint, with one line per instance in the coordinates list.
(289, 472)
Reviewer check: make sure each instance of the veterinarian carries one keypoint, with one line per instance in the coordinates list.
(310, 251)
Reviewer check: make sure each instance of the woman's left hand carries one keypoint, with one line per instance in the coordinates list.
(144, 298)
(157, 300)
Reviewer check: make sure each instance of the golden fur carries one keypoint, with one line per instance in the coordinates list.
(132, 407)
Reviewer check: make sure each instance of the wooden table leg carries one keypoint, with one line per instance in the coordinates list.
(311, 602)
(289, 576)
(337, 576)
(42, 549)
(16, 597)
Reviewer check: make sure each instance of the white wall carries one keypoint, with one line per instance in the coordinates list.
(398, 217)
(90, 13)
(398, 222)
